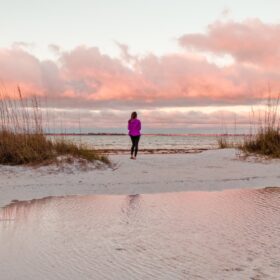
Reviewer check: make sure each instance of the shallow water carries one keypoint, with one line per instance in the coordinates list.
(185, 142)
(194, 235)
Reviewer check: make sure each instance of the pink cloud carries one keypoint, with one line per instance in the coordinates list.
(86, 78)
(19, 66)
(250, 41)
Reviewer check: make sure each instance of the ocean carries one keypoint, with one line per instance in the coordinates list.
(154, 141)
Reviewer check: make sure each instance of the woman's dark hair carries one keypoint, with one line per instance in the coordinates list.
(133, 115)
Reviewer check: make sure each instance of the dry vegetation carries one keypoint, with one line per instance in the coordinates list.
(266, 140)
(223, 143)
(22, 139)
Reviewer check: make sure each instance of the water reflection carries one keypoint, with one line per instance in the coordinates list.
(132, 205)
(195, 235)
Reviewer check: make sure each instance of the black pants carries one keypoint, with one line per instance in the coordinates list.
(134, 147)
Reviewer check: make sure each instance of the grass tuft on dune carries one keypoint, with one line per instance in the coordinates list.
(266, 140)
(22, 140)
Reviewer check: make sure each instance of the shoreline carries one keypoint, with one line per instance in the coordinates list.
(211, 170)
(151, 134)
(154, 151)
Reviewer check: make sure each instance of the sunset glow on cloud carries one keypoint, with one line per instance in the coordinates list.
(250, 42)
(87, 79)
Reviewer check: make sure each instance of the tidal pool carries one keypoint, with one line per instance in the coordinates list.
(194, 235)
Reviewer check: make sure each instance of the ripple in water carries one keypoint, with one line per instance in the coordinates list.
(194, 235)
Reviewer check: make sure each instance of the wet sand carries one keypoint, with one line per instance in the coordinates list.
(195, 235)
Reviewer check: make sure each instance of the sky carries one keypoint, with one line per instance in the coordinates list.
(179, 64)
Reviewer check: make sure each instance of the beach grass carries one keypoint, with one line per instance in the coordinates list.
(266, 140)
(22, 138)
(223, 143)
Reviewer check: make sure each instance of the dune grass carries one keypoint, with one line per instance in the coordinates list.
(223, 143)
(266, 140)
(22, 140)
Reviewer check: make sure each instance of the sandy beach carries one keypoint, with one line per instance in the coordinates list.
(208, 215)
(190, 88)
(212, 170)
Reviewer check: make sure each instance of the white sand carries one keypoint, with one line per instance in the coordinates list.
(206, 171)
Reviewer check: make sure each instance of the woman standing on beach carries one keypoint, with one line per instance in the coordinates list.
(134, 127)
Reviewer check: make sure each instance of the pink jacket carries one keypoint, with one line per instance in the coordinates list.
(134, 127)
